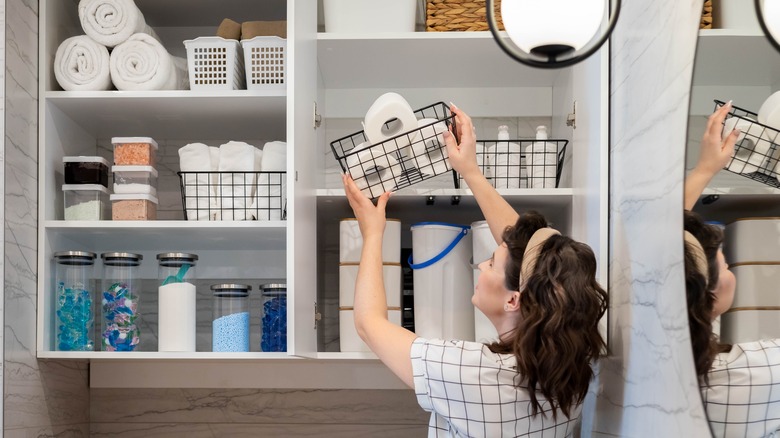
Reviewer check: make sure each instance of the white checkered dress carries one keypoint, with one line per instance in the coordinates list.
(470, 392)
(743, 396)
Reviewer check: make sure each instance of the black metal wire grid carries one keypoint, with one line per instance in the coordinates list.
(399, 161)
(756, 154)
(210, 196)
(519, 164)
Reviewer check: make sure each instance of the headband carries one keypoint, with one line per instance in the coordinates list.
(698, 255)
(533, 250)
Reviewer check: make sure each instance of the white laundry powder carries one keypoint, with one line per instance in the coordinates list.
(135, 189)
(85, 211)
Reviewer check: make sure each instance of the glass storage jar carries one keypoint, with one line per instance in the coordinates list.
(230, 326)
(176, 311)
(74, 314)
(121, 283)
(274, 317)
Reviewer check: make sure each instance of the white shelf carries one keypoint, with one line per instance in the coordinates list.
(177, 13)
(726, 57)
(156, 355)
(194, 235)
(422, 60)
(735, 203)
(175, 114)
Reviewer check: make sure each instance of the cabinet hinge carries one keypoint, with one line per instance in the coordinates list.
(571, 118)
(317, 315)
(317, 117)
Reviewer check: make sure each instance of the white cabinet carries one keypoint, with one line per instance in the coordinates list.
(738, 65)
(333, 76)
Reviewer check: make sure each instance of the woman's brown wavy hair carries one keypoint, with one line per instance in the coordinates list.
(557, 339)
(700, 294)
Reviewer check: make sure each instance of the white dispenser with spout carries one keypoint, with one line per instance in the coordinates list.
(506, 170)
(541, 158)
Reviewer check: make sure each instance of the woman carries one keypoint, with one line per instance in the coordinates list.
(740, 383)
(538, 289)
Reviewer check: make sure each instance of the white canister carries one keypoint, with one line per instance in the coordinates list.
(749, 325)
(753, 240)
(176, 307)
(756, 285)
(351, 242)
(443, 281)
(369, 16)
(734, 14)
(391, 273)
(348, 336)
(483, 245)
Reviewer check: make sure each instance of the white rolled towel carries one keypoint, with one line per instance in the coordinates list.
(142, 63)
(199, 203)
(112, 22)
(81, 64)
(236, 186)
(274, 157)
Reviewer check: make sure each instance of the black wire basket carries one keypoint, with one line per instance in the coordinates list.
(210, 196)
(756, 152)
(520, 164)
(402, 160)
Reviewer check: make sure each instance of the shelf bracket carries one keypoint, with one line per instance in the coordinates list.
(709, 199)
(455, 200)
(571, 118)
(429, 200)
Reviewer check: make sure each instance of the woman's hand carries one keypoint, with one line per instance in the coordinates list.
(371, 218)
(716, 151)
(463, 156)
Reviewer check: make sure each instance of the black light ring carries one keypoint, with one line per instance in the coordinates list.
(514, 54)
(764, 27)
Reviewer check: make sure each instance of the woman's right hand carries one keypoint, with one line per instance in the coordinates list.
(463, 155)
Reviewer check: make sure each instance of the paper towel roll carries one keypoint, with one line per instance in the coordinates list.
(429, 154)
(348, 337)
(388, 116)
(373, 171)
(542, 159)
(753, 145)
(391, 276)
(506, 169)
(483, 245)
(351, 241)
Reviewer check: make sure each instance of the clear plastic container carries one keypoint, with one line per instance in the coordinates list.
(274, 317)
(135, 180)
(86, 202)
(134, 151)
(119, 301)
(133, 207)
(73, 297)
(230, 326)
(176, 312)
(86, 170)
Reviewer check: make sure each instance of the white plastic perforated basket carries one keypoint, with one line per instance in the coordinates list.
(266, 62)
(215, 63)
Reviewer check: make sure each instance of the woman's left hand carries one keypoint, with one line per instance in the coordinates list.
(371, 218)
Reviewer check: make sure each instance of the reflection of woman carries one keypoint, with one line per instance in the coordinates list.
(538, 289)
(740, 383)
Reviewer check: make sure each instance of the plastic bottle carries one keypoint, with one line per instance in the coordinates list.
(541, 158)
(506, 170)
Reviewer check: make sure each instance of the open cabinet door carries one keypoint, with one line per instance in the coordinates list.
(301, 204)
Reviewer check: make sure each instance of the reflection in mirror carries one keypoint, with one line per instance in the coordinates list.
(732, 223)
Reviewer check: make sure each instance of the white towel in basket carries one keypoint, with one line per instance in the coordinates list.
(112, 22)
(198, 200)
(235, 189)
(142, 63)
(269, 198)
(82, 64)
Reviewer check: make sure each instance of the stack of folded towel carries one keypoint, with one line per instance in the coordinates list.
(235, 181)
(137, 61)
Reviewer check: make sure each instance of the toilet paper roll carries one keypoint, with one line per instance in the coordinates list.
(373, 171)
(388, 116)
(391, 275)
(348, 337)
(542, 158)
(429, 153)
(507, 166)
(351, 241)
(753, 145)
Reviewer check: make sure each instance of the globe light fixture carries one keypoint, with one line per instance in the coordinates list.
(768, 12)
(552, 33)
